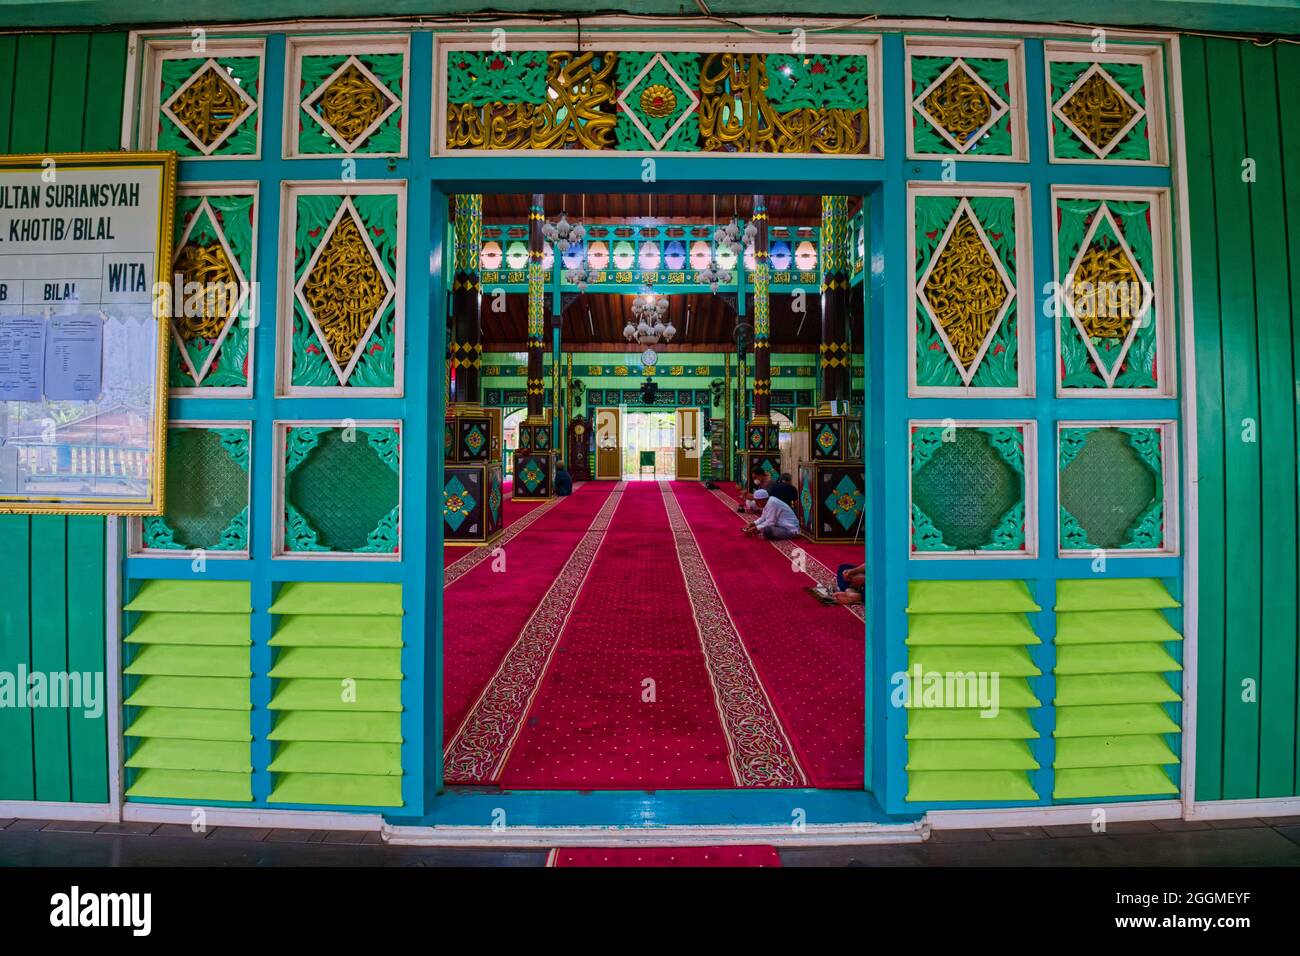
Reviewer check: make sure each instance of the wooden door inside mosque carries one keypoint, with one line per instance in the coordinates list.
(688, 443)
(609, 456)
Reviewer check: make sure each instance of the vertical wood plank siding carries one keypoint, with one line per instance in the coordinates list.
(1243, 162)
(59, 93)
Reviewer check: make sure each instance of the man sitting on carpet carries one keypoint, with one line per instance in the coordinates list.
(747, 502)
(782, 489)
(563, 480)
(850, 582)
(776, 519)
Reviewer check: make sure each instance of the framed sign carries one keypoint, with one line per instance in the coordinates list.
(85, 268)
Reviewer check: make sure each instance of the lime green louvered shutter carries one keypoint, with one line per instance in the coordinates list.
(1113, 689)
(337, 697)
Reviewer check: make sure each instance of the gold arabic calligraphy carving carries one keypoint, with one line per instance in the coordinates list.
(344, 289)
(1107, 292)
(1098, 110)
(960, 105)
(208, 106)
(210, 267)
(965, 290)
(736, 114)
(580, 112)
(351, 104)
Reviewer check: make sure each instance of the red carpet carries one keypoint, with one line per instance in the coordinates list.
(591, 726)
(484, 610)
(478, 744)
(811, 658)
(667, 856)
(637, 641)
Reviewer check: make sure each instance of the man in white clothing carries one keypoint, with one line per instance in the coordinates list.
(776, 519)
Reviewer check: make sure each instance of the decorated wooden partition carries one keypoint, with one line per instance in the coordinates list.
(1028, 454)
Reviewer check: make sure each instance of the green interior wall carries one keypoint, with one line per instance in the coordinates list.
(1241, 104)
(787, 369)
(57, 93)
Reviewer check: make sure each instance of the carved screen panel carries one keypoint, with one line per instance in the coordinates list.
(1113, 314)
(207, 492)
(1105, 106)
(347, 294)
(204, 104)
(966, 99)
(350, 97)
(341, 489)
(815, 103)
(1115, 494)
(967, 334)
(969, 489)
(215, 245)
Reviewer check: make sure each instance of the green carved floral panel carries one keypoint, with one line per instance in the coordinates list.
(968, 489)
(207, 492)
(342, 489)
(965, 291)
(209, 346)
(209, 106)
(1099, 111)
(347, 280)
(813, 103)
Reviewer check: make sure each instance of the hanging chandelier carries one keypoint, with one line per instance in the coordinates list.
(561, 235)
(649, 324)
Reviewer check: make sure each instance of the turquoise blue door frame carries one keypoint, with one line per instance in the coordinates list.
(883, 186)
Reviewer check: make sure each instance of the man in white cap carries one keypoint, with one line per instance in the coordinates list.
(776, 519)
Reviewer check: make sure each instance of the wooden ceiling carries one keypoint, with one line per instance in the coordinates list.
(704, 322)
(782, 210)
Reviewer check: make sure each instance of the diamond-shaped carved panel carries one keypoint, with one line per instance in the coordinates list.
(961, 105)
(1099, 111)
(1106, 293)
(345, 291)
(208, 265)
(208, 107)
(966, 291)
(352, 104)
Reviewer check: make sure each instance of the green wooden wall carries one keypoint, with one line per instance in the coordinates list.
(1241, 105)
(57, 93)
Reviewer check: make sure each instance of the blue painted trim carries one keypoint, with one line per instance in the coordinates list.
(639, 808)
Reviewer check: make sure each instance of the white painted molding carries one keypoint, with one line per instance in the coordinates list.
(239, 817)
(42, 810)
(1245, 809)
(1052, 816)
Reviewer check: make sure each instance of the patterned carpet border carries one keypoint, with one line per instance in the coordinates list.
(477, 753)
(476, 556)
(760, 750)
(819, 572)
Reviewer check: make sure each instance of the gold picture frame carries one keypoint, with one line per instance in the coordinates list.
(47, 169)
